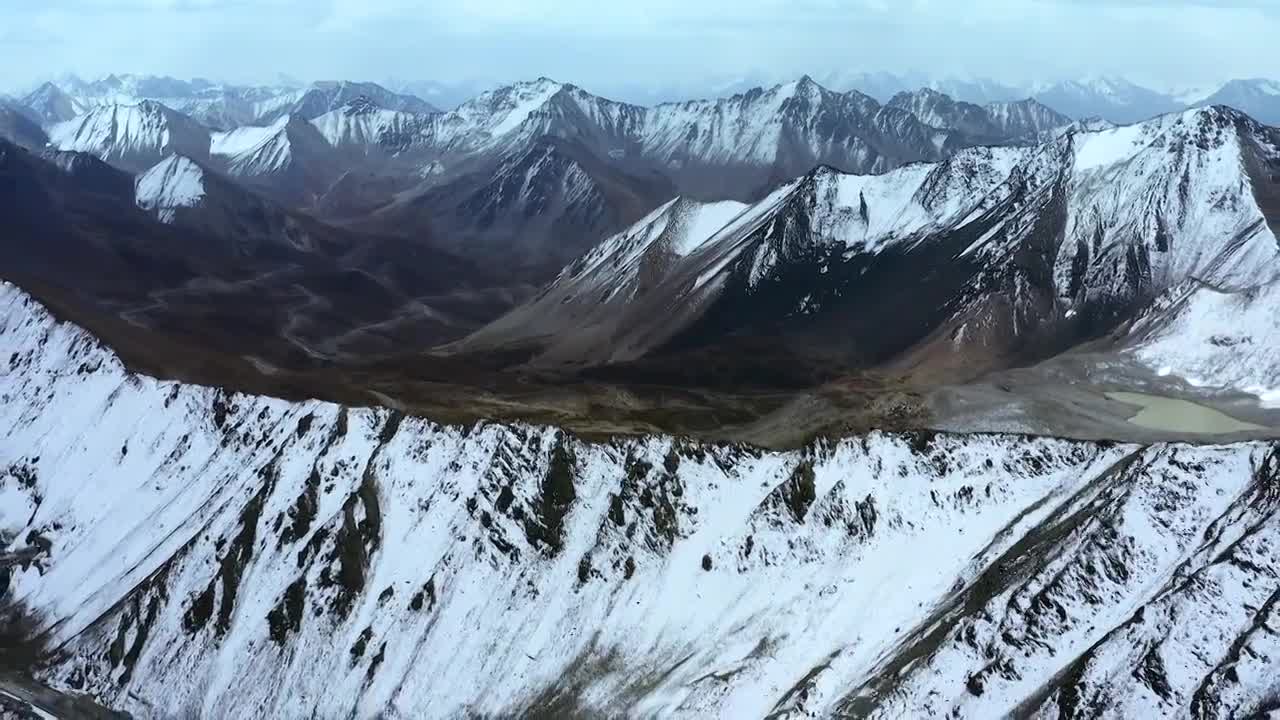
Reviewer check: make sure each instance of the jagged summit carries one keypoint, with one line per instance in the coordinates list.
(1066, 238)
(290, 159)
(1258, 97)
(1019, 121)
(133, 137)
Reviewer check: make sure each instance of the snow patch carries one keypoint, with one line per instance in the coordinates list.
(702, 222)
(1217, 339)
(175, 182)
(1109, 147)
(245, 139)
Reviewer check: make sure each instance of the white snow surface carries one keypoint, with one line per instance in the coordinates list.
(1216, 337)
(1111, 147)
(898, 208)
(496, 113)
(130, 133)
(1176, 186)
(789, 123)
(245, 139)
(175, 182)
(257, 150)
(246, 556)
(363, 129)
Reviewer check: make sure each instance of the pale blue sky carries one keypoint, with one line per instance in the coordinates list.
(594, 42)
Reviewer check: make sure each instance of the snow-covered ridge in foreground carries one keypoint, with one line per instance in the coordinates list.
(199, 553)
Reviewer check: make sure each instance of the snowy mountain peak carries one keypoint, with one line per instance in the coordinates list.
(1262, 86)
(1011, 121)
(805, 88)
(503, 109)
(270, 150)
(926, 93)
(326, 96)
(133, 137)
(1115, 99)
(1258, 97)
(173, 183)
(1130, 212)
(49, 104)
(1106, 85)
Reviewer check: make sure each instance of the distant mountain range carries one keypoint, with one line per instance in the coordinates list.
(992, 256)
(219, 107)
(528, 176)
(222, 106)
(582, 165)
(1113, 99)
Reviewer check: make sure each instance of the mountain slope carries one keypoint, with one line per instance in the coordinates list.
(1025, 118)
(939, 110)
(289, 160)
(17, 126)
(989, 256)
(363, 128)
(229, 275)
(603, 309)
(173, 183)
(49, 104)
(215, 105)
(996, 123)
(1220, 337)
(536, 209)
(883, 86)
(209, 553)
(737, 148)
(323, 97)
(1258, 97)
(730, 147)
(1113, 99)
(133, 137)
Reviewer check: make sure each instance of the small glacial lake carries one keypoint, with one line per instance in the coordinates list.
(1183, 416)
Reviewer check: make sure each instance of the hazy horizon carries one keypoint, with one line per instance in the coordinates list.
(1164, 44)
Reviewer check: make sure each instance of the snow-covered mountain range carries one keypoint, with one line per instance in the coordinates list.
(1258, 97)
(997, 122)
(315, 513)
(1113, 98)
(222, 106)
(134, 137)
(1027, 250)
(175, 549)
(767, 135)
(217, 106)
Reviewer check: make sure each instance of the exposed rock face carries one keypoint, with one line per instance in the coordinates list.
(990, 256)
(190, 552)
